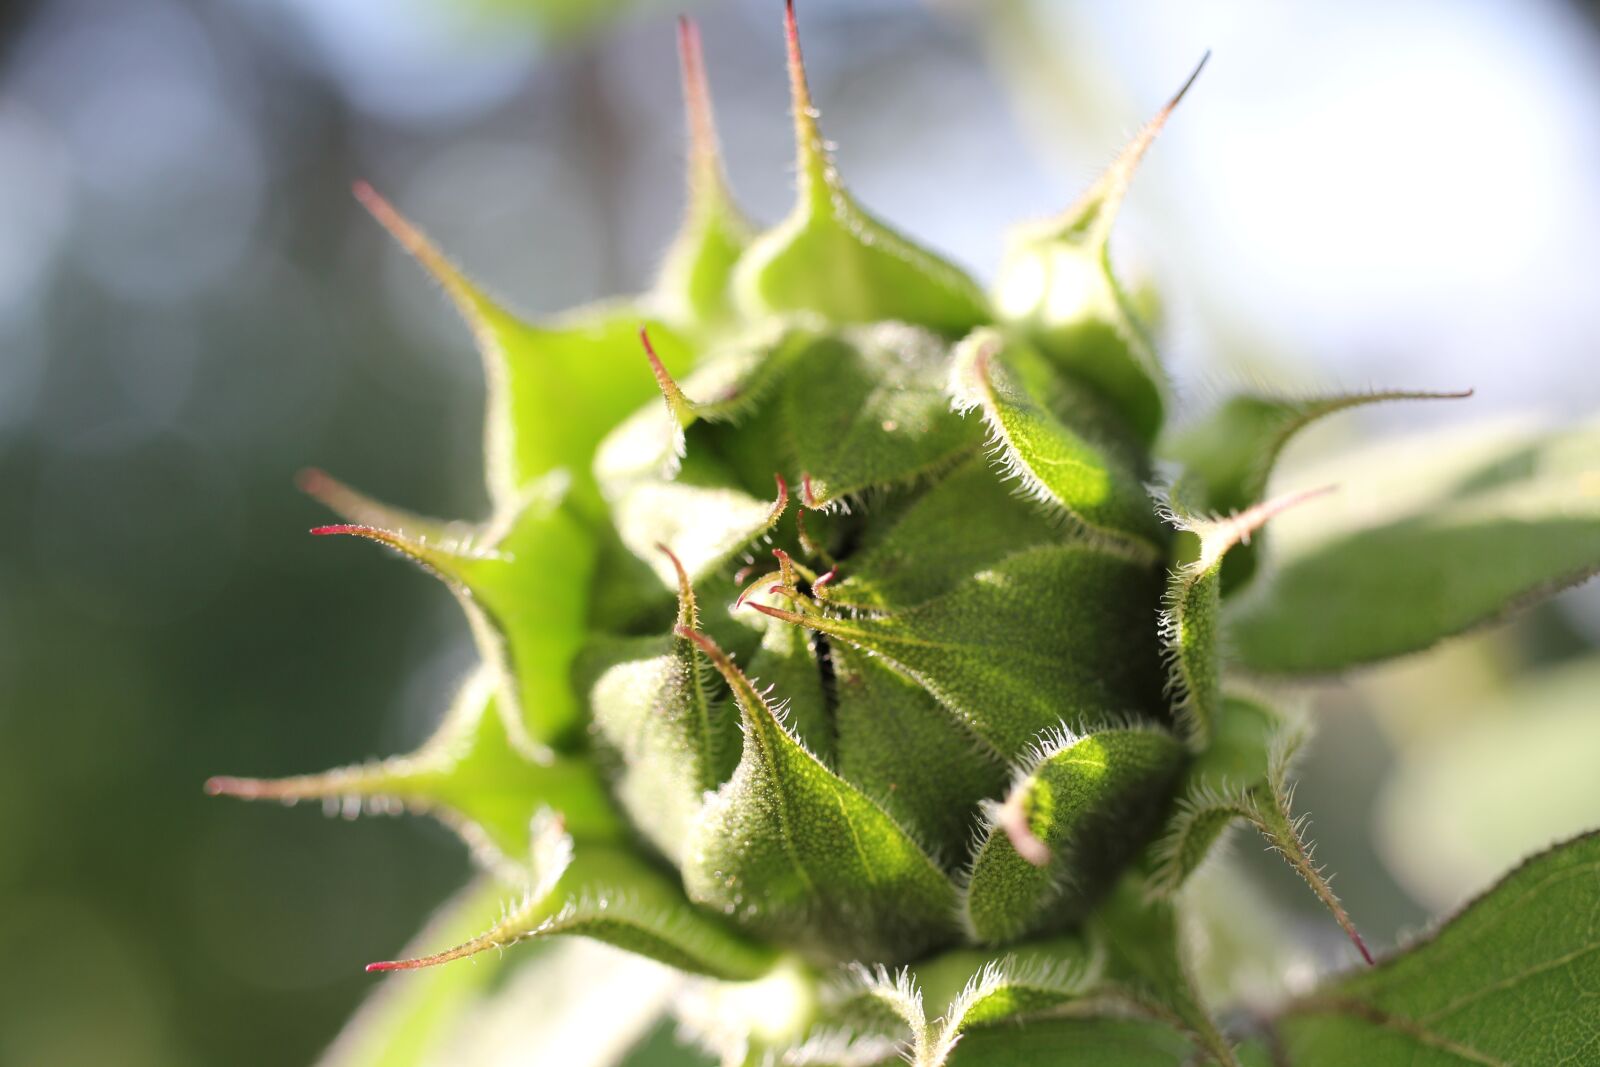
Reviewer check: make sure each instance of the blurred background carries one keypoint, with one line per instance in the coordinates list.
(192, 308)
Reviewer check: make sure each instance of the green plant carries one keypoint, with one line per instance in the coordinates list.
(993, 736)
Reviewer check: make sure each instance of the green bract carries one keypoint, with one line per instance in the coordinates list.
(837, 652)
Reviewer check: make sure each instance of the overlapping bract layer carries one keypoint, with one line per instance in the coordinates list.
(982, 702)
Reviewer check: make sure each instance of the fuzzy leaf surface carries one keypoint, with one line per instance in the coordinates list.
(790, 849)
(1349, 588)
(1191, 620)
(1063, 294)
(1512, 979)
(697, 515)
(1013, 651)
(1056, 463)
(610, 895)
(1090, 803)
(786, 662)
(967, 522)
(651, 708)
(869, 411)
(897, 744)
(667, 742)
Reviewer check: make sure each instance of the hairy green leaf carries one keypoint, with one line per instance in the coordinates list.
(967, 522)
(470, 776)
(1051, 633)
(1055, 463)
(973, 989)
(1248, 781)
(801, 855)
(1217, 789)
(1347, 588)
(833, 258)
(609, 895)
(523, 582)
(554, 390)
(1079, 812)
(896, 744)
(787, 663)
(702, 521)
(668, 744)
(868, 411)
(1191, 622)
(1510, 980)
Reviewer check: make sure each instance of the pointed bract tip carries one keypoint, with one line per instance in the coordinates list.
(224, 786)
(692, 59)
(1097, 209)
(816, 173)
(1252, 519)
(788, 579)
(462, 951)
(421, 551)
(1177, 97)
(1219, 535)
(390, 219)
(703, 153)
(677, 403)
(367, 195)
(780, 505)
(416, 243)
(1361, 946)
(798, 88)
(791, 31)
(384, 966)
